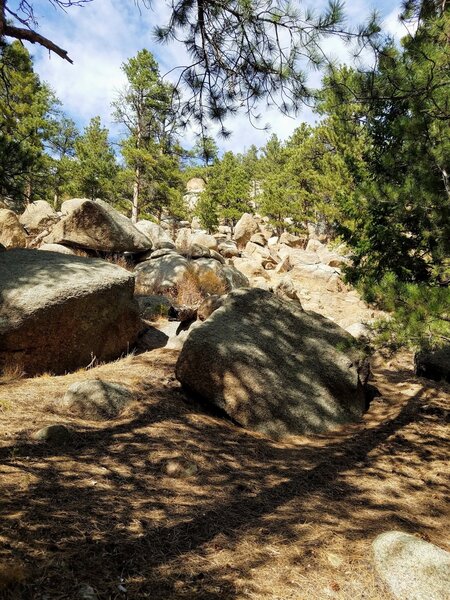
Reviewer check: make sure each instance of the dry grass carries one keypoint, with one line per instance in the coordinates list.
(255, 520)
(195, 286)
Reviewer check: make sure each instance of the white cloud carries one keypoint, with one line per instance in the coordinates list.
(104, 34)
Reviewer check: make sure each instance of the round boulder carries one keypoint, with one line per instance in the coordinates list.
(95, 399)
(272, 367)
(411, 568)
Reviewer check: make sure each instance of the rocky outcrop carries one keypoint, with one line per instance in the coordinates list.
(59, 313)
(98, 226)
(281, 371)
(38, 216)
(12, 234)
(411, 568)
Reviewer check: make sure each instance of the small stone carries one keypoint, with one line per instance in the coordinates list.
(53, 434)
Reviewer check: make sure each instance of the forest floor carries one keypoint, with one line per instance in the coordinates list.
(257, 519)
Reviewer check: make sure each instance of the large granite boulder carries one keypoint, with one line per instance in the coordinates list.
(411, 568)
(98, 226)
(156, 234)
(157, 275)
(272, 367)
(245, 228)
(37, 216)
(59, 312)
(12, 233)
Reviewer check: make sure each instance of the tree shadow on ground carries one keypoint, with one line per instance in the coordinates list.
(104, 511)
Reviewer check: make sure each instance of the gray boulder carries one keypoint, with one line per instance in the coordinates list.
(98, 226)
(228, 249)
(411, 568)
(157, 275)
(95, 399)
(69, 206)
(156, 234)
(272, 367)
(58, 312)
(12, 233)
(38, 216)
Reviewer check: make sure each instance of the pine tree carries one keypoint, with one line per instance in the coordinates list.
(25, 112)
(145, 108)
(95, 162)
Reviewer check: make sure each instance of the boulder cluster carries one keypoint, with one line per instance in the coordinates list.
(87, 285)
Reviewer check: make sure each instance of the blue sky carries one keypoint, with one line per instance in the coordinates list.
(103, 34)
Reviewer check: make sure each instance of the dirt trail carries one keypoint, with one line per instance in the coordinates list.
(257, 520)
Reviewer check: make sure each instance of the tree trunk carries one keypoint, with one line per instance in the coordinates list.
(136, 189)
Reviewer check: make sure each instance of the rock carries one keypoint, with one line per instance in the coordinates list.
(69, 206)
(293, 241)
(183, 240)
(358, 331)
(12, 234)
(245, 228)
(272, 367)
(286, 290)
(314, 245)
(272, 241)
(250, 267)
(216, 256)
(152, 307)
(2, 248)
(208, 306)
(157, 275)
(87, 592)
(205, 240)
(195, 251)
(226, 277)
(195, 224)
(157, 254)
(57, 248)
(95, 399)
(318, 277)
(228, 249)
(297, 256)
(60, 312)
(235, 278)
(411, 568)
(225, 229)
(258, 238)
(283, 266)
(37, 216)
(195, 185)
(98, 226)
(433, 364)
(256, 252)
(53, 434)
(156, 234)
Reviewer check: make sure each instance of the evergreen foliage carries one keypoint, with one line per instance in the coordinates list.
(95, 162)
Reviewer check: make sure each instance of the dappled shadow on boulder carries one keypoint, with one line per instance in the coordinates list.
(252, 518)
(272, 367)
